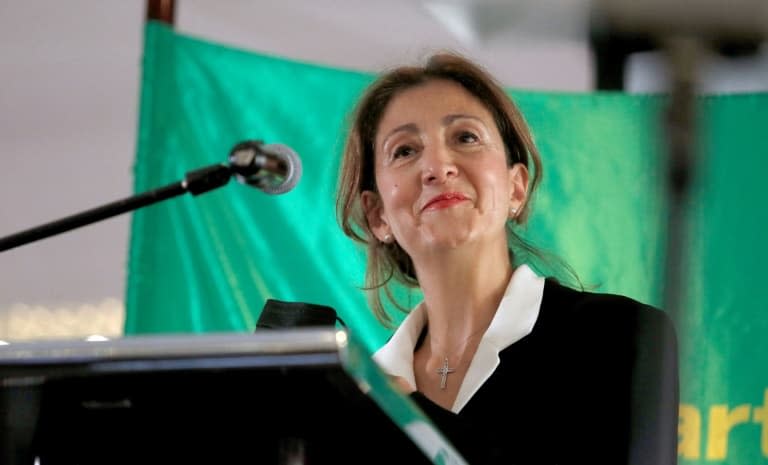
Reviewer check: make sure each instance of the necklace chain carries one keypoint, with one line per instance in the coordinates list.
(470, 336)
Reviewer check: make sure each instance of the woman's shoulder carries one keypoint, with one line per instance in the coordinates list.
(591, 322)
(606, 308)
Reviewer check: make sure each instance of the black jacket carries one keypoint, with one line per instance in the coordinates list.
(596, 381)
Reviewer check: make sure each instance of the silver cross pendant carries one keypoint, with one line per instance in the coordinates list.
(443, 371)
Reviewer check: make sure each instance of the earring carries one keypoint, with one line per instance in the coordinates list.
(512, 212)
(387, 238)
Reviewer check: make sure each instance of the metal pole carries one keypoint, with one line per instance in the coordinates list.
(161, 10)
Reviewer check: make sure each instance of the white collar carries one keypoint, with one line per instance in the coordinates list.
(514, 319)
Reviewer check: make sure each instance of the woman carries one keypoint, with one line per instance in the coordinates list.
(512, 367)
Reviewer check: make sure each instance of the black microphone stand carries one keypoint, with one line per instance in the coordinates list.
(196, 182)
(683, 54)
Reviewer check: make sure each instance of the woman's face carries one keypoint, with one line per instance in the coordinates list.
(441, 172)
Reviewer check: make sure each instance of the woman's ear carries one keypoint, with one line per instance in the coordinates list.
(518, 187)
(374, 213)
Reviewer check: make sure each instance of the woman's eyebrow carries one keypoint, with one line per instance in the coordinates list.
(407, 127)
(448, 119)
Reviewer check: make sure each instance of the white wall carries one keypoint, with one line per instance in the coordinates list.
(68, 99)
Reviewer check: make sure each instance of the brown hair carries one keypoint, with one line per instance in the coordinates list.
(387, 261)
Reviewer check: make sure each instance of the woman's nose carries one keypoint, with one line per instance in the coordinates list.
(438, 165)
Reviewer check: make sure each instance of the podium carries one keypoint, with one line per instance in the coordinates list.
(289, 396)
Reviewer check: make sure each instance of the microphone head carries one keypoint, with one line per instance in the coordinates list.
(275, 184)
(273, 168)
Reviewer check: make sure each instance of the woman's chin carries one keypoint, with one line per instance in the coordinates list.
(448, 240)
(452, 238)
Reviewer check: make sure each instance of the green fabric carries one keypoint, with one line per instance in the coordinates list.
(208, 263)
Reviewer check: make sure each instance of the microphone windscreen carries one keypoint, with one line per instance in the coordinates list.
(279, 314)
(290, 162)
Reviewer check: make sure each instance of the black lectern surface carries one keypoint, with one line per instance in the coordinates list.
(294, 396)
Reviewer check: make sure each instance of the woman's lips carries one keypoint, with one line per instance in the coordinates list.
(445, 201)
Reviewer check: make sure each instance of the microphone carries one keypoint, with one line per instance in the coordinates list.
(273, 168)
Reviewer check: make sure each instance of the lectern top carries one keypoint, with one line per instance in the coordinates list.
(287, 341)
(173, 391)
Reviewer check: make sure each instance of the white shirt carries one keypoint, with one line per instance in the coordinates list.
(514, 319)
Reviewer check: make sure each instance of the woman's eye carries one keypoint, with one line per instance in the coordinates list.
(403, 151)
(467, 137)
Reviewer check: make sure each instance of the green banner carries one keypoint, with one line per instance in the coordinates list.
(208, 263)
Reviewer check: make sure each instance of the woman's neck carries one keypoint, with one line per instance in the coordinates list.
(462, 291)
